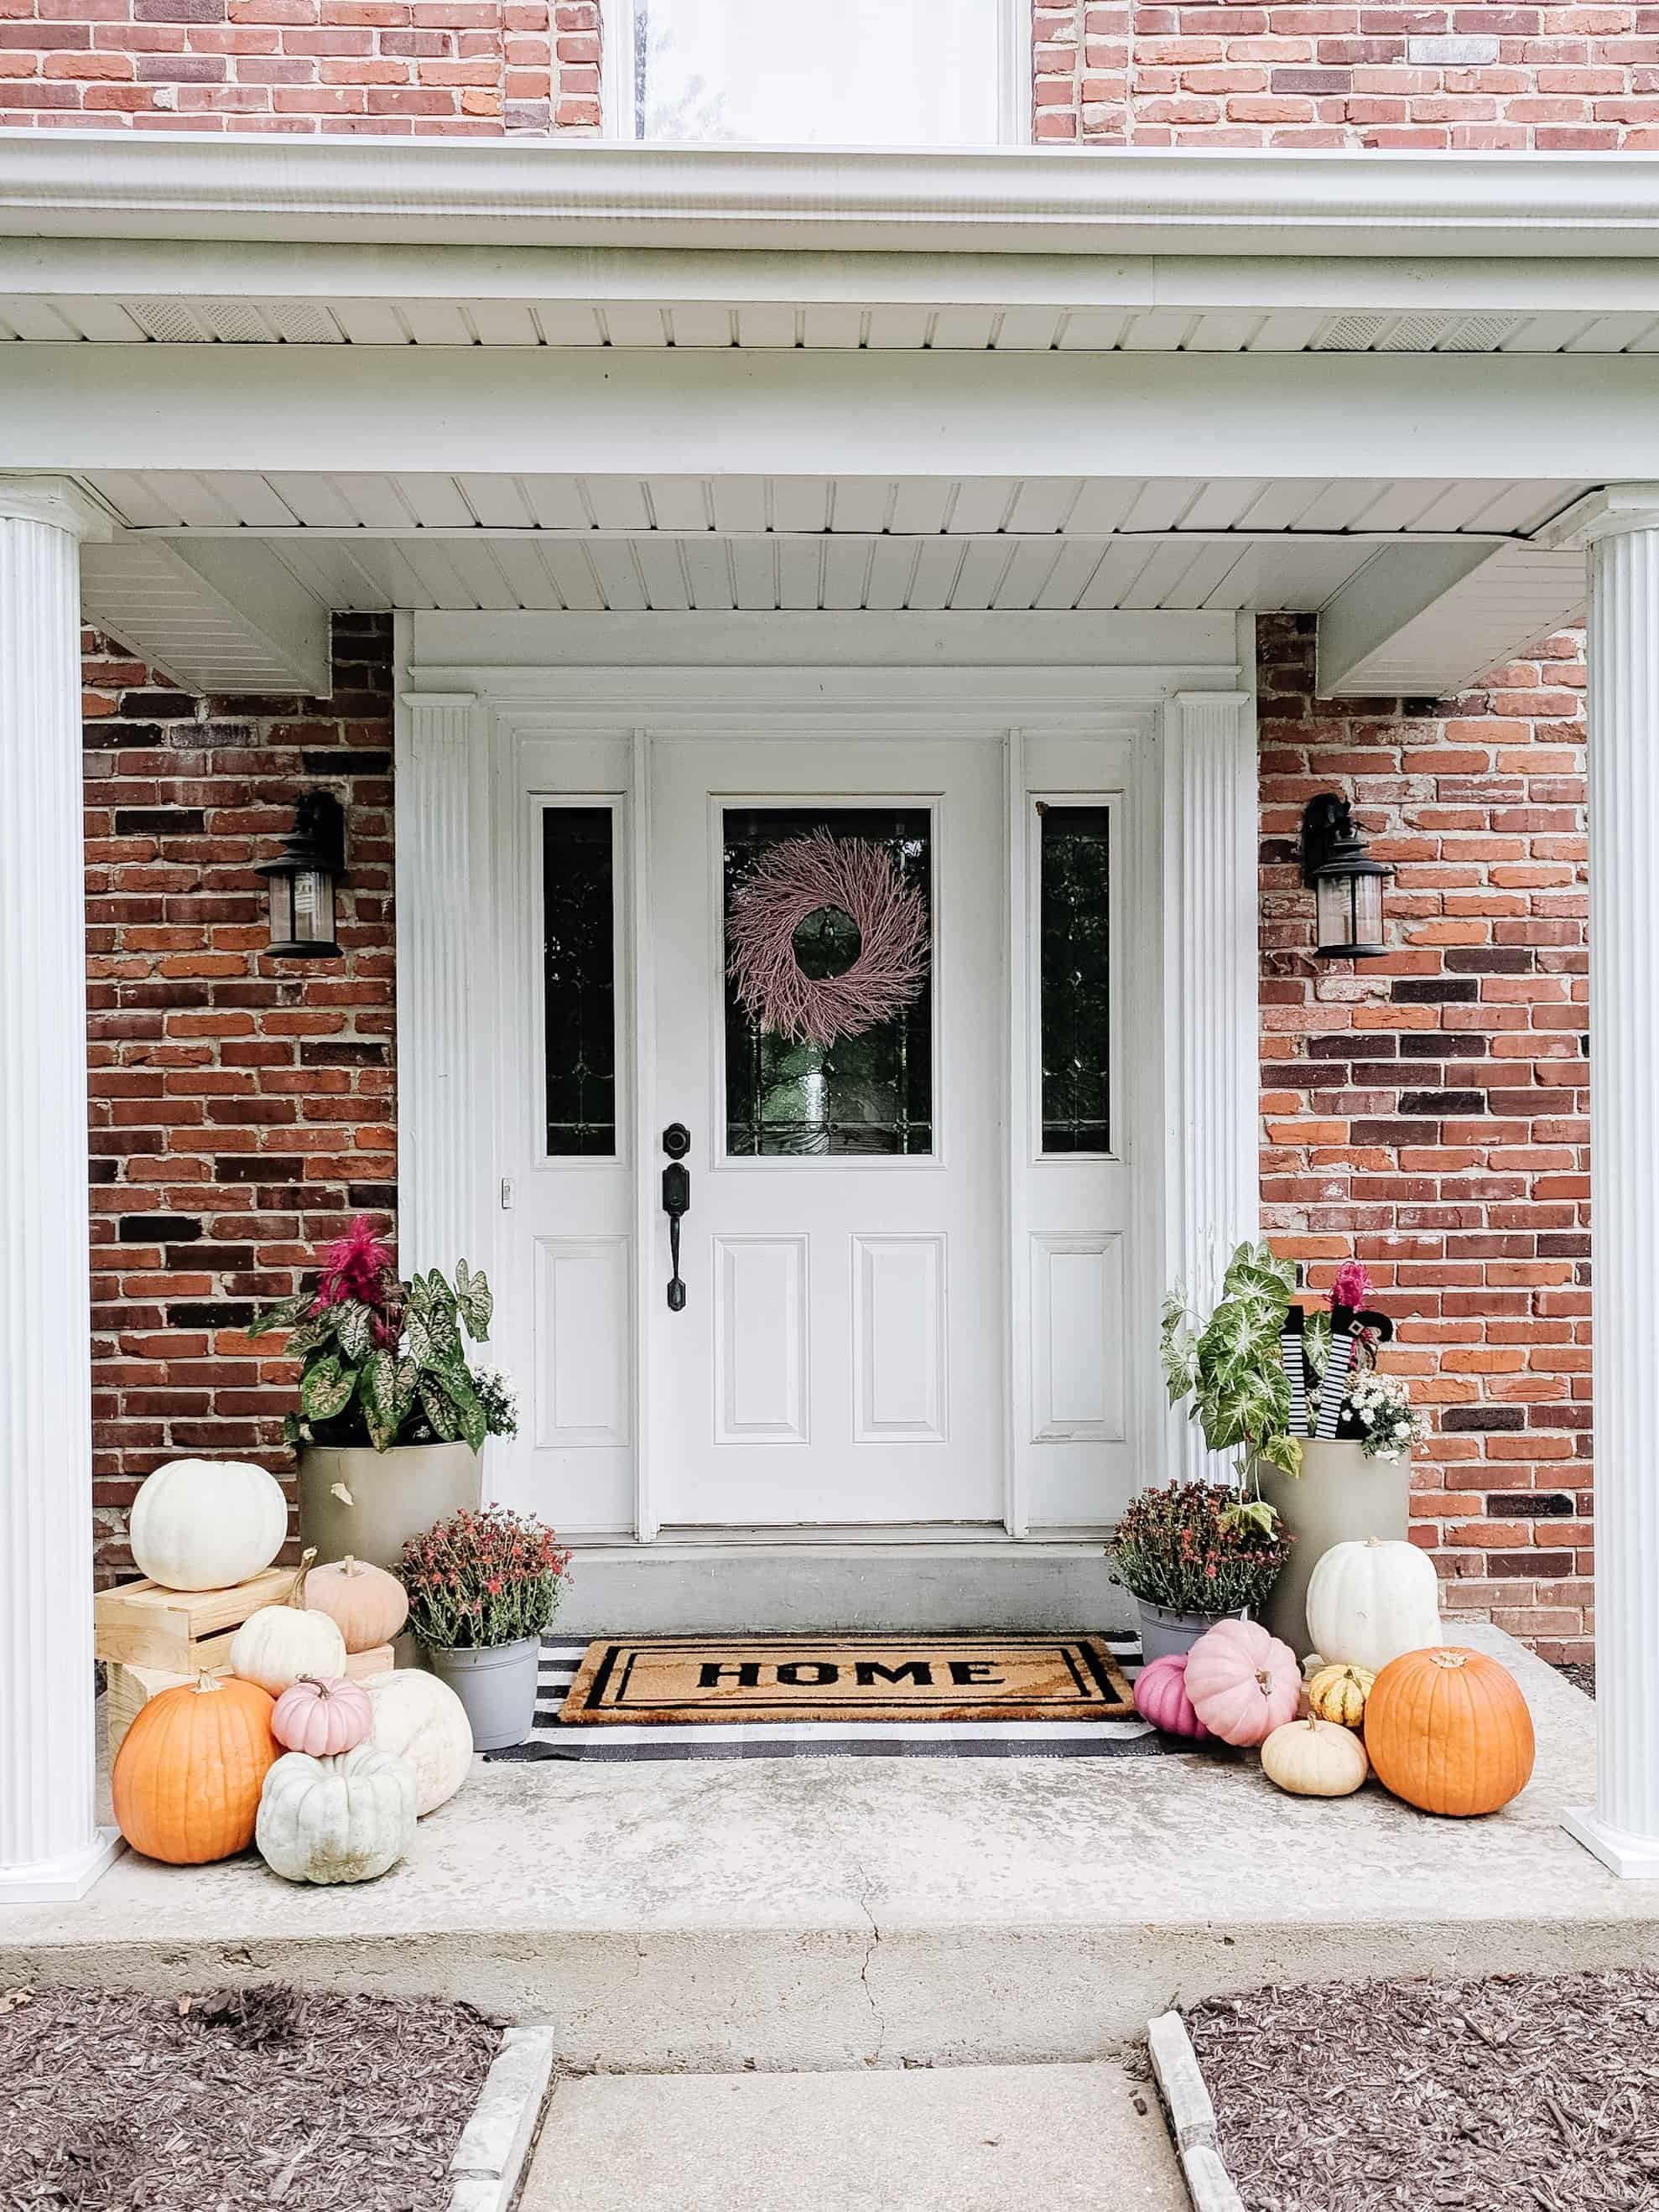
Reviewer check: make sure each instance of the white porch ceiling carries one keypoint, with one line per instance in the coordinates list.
(289, 547)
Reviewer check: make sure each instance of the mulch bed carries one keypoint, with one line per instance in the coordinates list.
(1518, 2093)
(238, 2099)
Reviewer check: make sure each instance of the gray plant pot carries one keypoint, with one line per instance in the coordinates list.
(1163, 1632)
(1341, 1496)
(497, 1685)
(393, 1495)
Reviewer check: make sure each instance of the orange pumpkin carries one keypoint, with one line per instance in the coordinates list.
(188, 1774)
(1449, 1730)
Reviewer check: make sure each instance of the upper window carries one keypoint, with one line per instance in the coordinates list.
(800, 73)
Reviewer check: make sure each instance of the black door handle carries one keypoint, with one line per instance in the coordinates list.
(676, 1203)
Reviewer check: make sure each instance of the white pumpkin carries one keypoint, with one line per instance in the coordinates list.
(1315, 1759)
(1369, 1602)
(274, 1646)
(200, 1524)
(344, 1819)
(419, 1718)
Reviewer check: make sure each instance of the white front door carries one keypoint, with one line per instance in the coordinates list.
(838, 1356)
(917, 1292)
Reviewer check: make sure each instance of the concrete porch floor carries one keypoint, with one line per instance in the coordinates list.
(837, 1913)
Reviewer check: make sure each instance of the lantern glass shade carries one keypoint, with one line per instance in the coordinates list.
(302, 914)
(301, 882)
(1348, 905)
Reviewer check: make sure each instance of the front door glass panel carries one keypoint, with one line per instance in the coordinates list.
(1075, 966)
(870, 1094)
(579, 981)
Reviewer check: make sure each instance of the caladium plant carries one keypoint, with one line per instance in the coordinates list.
(1228, 1365)
(383, 1360)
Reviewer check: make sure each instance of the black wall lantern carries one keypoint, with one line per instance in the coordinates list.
(302, 880)
(1347, 884)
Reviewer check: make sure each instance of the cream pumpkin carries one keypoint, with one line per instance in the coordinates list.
(419, 1718)
(200, 1524)
(1315, 1759)
(345, 1819)
(1369, 1602)
(369, 1605)
(274, 1646)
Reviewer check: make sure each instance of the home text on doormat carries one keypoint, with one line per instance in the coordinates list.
(848, 1678)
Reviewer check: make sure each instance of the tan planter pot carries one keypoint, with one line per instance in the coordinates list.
(394, 1495)
(1341, 1496)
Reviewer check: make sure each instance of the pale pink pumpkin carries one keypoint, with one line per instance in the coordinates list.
(1243, 1683)
(1161, 1697)
(322, 1718)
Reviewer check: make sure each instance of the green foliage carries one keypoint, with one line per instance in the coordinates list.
(384, 1362)
(1228, 1365)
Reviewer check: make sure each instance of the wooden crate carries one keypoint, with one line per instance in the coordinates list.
(181, 1632)
(130, 1689)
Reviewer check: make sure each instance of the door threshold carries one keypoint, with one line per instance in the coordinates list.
(983, 1539)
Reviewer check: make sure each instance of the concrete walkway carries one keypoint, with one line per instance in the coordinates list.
(828, 1914)
(959, 2139)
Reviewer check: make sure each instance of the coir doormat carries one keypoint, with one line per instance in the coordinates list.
(768, 1680)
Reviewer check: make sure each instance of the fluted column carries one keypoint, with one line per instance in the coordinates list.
(1623, 1827)
(1210, 1182)
(443, 1110)
(51, 1845)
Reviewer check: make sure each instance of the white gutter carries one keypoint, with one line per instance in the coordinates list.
(1396, 206)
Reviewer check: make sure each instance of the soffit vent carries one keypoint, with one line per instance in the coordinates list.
(170, 322)
(1351, 334)
(1483, 333)
(1415, 334)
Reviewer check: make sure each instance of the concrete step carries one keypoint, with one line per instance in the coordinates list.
(713, 1587)
(952, 2139)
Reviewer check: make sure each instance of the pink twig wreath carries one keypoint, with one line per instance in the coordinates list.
(797, 879)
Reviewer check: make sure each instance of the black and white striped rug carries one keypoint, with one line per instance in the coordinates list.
(554, 1739)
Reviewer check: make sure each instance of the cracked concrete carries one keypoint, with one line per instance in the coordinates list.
(845, 1913)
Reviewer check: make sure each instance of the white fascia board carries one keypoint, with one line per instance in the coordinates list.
(448, 647)
(225, 618)
(150, 269)
(77, 407)
(1423, 623)
(1387, 206)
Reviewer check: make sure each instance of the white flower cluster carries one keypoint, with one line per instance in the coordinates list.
(1381, 1406)
(499, 1400)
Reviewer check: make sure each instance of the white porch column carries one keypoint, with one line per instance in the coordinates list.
(446, 1147)
(51, 1845)
(1211, 1170)
(1623, 533)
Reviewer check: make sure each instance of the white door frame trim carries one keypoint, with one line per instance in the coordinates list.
(1196, 717)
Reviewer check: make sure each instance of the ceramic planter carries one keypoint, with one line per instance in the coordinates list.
(1341, 1496)
(1163, 1632)
(497, 1685)
(393, 1495)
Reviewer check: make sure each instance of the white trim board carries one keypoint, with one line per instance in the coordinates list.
(1266, 201)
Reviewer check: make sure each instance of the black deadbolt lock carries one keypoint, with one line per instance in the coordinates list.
(676, 1140)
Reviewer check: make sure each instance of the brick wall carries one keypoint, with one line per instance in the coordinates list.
(242, 1107)
(1105, 72)
(399, 68)
(1474, 77)
(1427, 1112)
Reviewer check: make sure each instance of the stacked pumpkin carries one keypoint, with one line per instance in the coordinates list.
(326, 1774)
(1444, 1727)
